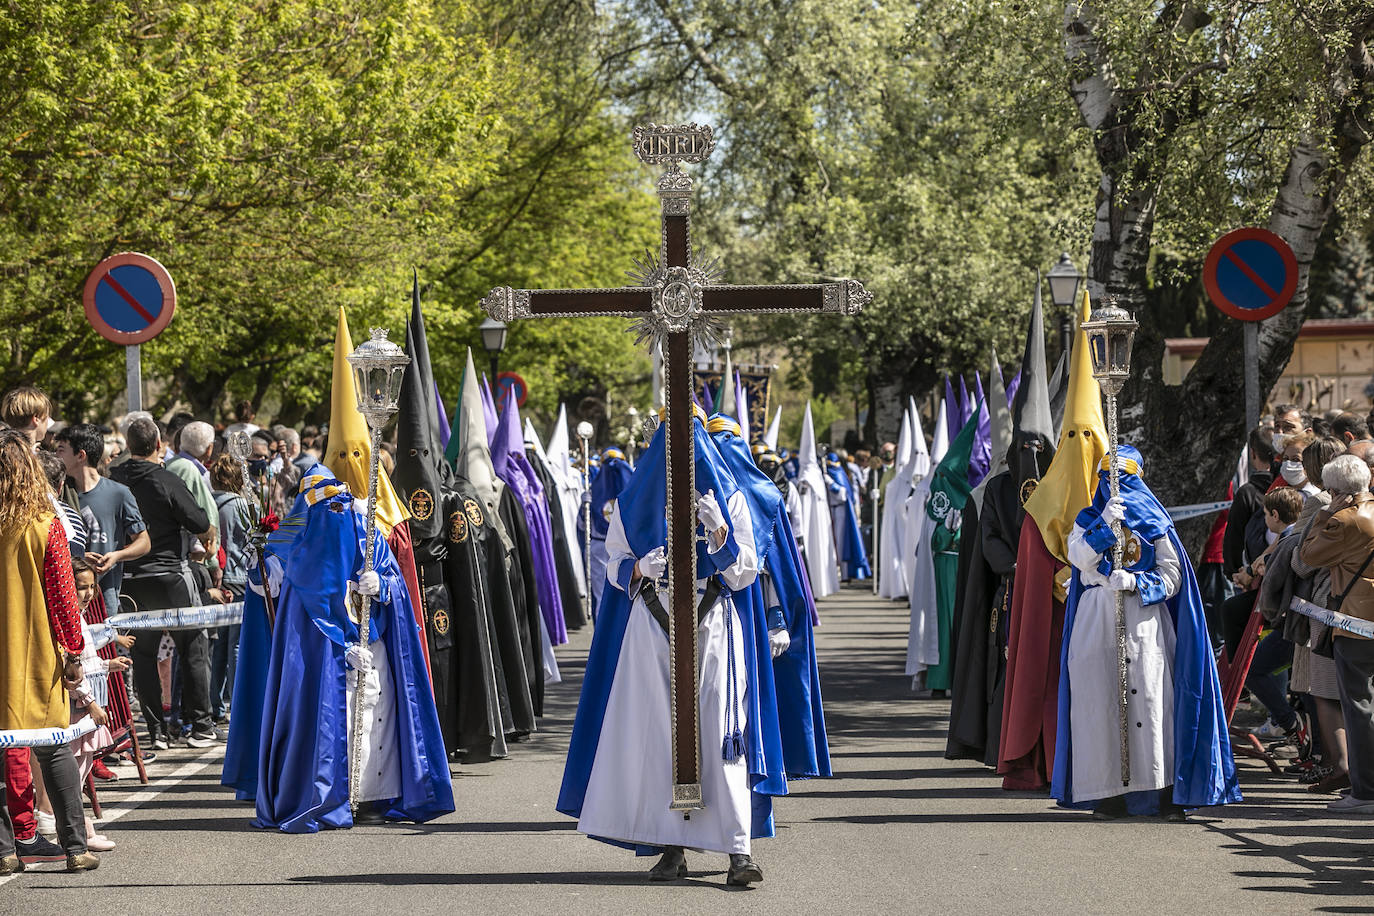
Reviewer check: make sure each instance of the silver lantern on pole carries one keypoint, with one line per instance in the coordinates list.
(1111, 332)
(378, 365)
(584, 432)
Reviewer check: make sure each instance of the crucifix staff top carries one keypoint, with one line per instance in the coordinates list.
(674, 301)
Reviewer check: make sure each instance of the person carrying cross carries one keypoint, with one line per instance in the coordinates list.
(618, 778)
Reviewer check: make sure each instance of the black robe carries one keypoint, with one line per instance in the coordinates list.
(527, 643)
(975, 718)
(469, 685)
(563, 553)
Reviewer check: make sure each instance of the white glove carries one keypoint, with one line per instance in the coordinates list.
(1122, 581)
(709, 512)
(275, 574)
(369, 584)
(954, 519)
(1114, 511)
(358, 657)
(778, 641)
(653, 563)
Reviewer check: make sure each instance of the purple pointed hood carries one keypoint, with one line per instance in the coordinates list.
(445, 432)
(513, 466)
(489, 409)
(981, 457)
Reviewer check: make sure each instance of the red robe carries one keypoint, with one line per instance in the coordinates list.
(1030, 710)
(404, 551)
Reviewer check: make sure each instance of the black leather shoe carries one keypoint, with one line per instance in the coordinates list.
(368, 815)
(1111, 809)
(743, 871)
(671, 866)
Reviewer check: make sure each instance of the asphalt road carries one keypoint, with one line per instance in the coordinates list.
(898, 830)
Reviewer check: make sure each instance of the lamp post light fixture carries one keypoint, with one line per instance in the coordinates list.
(378, 366)
(1064, 279)
(493, 341)
(1111, 331)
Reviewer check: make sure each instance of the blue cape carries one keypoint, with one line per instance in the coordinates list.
(851, 548)
(645, 527)
(608, 480)
(255, 652)
(797, 683)
(1204, 768)
(303, 760)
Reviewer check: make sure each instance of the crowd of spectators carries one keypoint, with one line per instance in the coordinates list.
(143, 516)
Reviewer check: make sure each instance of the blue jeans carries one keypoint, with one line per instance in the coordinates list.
(1268, 678)
(224, 656)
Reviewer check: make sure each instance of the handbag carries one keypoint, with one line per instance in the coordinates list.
(1334, 602)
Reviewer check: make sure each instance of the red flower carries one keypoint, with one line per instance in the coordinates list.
(270, 522)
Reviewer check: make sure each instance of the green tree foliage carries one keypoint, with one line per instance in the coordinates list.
(283, 158)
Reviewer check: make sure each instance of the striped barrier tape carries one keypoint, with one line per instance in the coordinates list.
(1193, 510)
(1335, 619)
(46, 737)
(181, 618)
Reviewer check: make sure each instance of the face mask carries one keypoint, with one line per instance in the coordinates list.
(257, 466)
(1277, 442)
(1293, 473)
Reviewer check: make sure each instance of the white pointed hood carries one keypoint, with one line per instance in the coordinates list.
(771, 438)
(474, 453)
(939, 444)
(920, 452)
(813, 522)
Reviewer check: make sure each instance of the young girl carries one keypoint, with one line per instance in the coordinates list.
(90, 696)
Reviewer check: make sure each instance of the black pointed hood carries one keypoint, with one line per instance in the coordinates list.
(419, 476)
(1059, 393)
(1033, 430)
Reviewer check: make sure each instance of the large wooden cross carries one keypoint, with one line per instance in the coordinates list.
(675, 301)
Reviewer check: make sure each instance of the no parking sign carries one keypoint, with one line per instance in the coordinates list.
(129, 300)
(1250, 274)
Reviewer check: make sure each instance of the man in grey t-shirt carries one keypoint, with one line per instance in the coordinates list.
(117, 532)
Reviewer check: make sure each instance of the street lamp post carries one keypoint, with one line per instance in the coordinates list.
(1064, 279)
(378, 365)
(584, 432)
(1111, 330)
(493, 341)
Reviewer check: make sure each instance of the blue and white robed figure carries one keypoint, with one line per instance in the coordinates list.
(610, 477)
(618, 778)
(844, 510)
(1178, 748)
(310, 690)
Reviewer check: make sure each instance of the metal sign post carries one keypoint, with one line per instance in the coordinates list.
(133, 376)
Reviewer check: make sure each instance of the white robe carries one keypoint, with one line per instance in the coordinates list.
(815, 531)
(923, 635)
(380, 765)
(631, 781)
(1092, 667)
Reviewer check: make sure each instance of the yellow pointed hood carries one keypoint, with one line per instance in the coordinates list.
(350, 444)
(1071, 479)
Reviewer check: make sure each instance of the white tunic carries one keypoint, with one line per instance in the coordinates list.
(630, 785)
(815, 531)
(381, 758)
(1093, 712)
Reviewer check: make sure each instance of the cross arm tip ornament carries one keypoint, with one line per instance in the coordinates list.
(848, 297)
(506, 304)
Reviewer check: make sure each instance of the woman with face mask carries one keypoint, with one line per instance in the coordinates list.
(1291, 465)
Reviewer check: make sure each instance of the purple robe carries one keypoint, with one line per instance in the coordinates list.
(444, 431)
(953, 412)
(512, 466)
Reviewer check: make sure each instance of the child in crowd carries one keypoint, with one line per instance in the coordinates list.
(90, 696)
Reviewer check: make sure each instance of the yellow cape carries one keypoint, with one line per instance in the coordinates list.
(350, 450)
(1071, 479)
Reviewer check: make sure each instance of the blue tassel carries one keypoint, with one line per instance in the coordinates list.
(732, 748)
(739, 744)
(727, 747)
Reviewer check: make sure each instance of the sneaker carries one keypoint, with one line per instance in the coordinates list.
(40, 849)
(206, 738)
(1316, 775)
(1349, 804)
(100, 771)
(158, 742)
(47, 824)
(1270, 731)
(87, 861)
(100, 843)
(10, 865)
